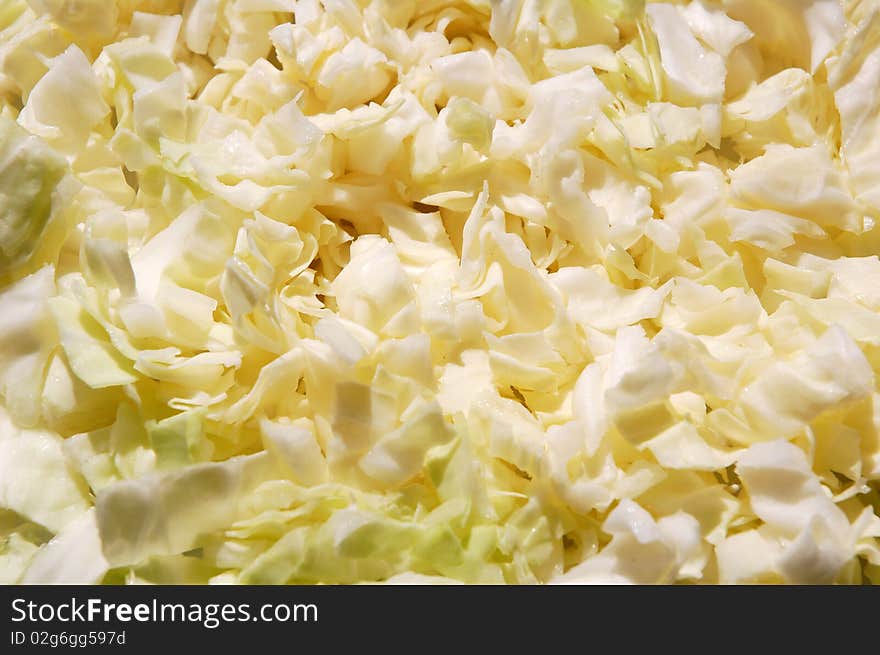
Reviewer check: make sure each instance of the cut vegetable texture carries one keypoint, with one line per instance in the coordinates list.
(501, 292)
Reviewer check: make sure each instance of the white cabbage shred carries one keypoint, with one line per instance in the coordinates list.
(482, 291)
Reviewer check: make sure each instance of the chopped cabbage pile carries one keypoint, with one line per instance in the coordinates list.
(486, 291)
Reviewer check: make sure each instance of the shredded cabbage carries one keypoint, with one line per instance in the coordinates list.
(509, 292)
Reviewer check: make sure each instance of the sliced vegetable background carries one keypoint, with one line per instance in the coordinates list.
(488, 291)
